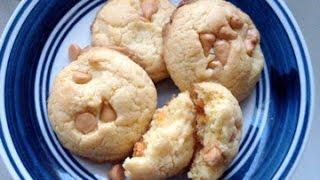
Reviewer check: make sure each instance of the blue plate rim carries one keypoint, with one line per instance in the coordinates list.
(23, 6)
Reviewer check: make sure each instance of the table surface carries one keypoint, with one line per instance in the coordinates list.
(306, 14)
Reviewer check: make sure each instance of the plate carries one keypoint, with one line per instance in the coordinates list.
(33, 49)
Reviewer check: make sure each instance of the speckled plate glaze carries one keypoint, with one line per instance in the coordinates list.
(34, 48)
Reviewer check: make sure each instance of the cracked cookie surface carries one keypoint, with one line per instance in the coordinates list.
(101, 104)
(219, 128)
(136, 27)
(167, 147)
(213, 41)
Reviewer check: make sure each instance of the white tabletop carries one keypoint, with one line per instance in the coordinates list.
(307, 15)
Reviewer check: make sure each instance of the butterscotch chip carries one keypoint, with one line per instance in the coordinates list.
(236, 22)
(85, 122)
(213, 156)
(214, 64)
(81, 77)
(136, 27)
(95, 62)
(251, 40)
(116, 173)
(103, 119)
(207, 40)
(107, 113)
(227, 33)
(149, 7)
(138, 149)
(233, 58)
(74, 51)
(222, 50)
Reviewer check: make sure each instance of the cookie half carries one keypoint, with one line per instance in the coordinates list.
(214, 41)
(219, 127)
(101, 104)
(167, 147)
(134, 27)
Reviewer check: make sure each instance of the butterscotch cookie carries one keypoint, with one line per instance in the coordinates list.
(215, 41)
(219, 127)
(101, 104)
(134, 27)
(167, 147)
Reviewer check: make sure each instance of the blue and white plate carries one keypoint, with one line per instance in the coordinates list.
(34, 49)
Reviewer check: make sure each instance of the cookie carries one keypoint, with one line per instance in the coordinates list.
(219, 127)
(167, 147)
(134, 27)
(213, 41)
(101, 104)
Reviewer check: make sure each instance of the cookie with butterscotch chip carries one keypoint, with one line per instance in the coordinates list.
(167, 147)
(213, 40)
(135, 27)
(219, 128)
(101, 104)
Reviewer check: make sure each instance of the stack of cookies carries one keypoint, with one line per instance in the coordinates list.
(103, 104)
